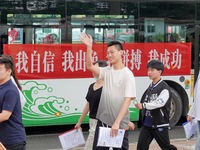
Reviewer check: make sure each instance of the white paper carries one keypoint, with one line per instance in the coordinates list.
(71, 139)
(191, 129)
(106, 140)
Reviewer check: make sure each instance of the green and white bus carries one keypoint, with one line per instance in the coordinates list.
(43, 38)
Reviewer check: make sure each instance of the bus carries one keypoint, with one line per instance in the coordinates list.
(43, 38)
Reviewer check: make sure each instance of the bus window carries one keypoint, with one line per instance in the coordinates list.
(47, 36)
(117, 27)
(154, 30)
(176, 33)
(76, 34)
(15, 36)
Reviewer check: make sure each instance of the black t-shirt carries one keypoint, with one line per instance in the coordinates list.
(93, 97)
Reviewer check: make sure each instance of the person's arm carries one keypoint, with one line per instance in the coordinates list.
(138, 106)
(5, 115)
(129, 95)
(189, 118)
(159, 102)
(87, 40)
(191, 113)
(83, 115)
(131, 126)
(123, 111)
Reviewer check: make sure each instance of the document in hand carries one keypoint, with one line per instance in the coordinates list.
(2, 147)
(106, 140)
(71, 139)
(191, 129)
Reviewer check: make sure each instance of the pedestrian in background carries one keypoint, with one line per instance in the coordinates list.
(12, 132)
(155, 106)
(194, 112)
(117, 94)
(93, 98)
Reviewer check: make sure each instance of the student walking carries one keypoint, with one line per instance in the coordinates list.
(155, 106)
(93, 98)
(117, 94)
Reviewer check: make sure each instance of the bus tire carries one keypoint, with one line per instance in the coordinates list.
(176, 108)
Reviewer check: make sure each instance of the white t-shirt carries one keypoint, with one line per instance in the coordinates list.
(118, 84)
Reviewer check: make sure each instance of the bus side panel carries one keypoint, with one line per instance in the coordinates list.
(57, 101)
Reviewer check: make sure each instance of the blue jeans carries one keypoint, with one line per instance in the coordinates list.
(197, 146)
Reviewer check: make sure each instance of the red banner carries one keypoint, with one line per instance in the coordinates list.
(48, 61)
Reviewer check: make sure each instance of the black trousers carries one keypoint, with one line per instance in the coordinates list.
(161, 135)
(125, 144)
(17, 146)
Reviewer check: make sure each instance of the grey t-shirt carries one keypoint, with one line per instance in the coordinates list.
(118, 84)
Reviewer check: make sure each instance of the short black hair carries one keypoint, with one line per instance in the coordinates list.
(7, 61)
(117, 44)
(156, 64)
(101, 63)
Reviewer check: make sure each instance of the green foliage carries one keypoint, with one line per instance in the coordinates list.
(158, 38)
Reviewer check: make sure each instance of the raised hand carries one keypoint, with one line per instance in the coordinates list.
(86, 39)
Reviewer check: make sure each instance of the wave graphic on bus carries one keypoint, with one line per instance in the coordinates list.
(48, 110)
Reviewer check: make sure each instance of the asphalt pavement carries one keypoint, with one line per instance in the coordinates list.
(50, 141)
